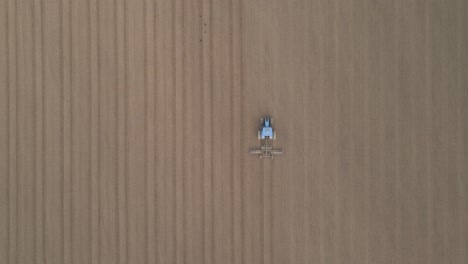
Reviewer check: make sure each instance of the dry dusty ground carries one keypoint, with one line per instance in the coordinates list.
(125, 128)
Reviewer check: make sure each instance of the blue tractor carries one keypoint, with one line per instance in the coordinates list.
(266, 129)
(265, 135)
